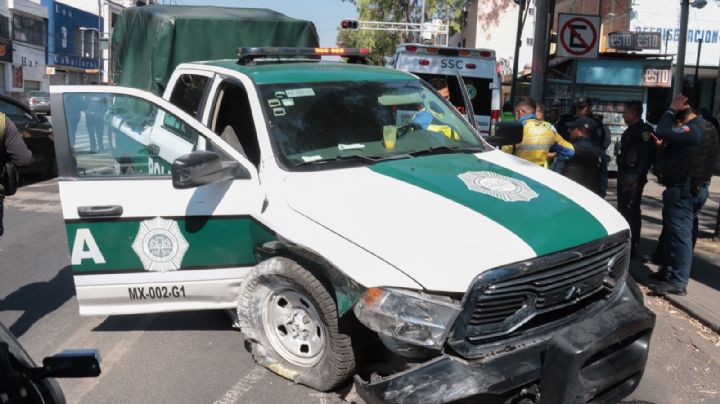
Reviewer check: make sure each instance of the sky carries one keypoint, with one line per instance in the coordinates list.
(325, 14)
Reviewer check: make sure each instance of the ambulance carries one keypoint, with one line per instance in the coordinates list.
(478, 68)
(349, 239)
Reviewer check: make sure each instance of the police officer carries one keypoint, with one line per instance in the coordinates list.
(600, 136)
(634, 159)
(686, 173)
(12, 150)
(584, 166)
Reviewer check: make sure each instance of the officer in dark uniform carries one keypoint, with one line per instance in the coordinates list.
(687, 169)
(12, 150)
(585, 165)
(634, 159)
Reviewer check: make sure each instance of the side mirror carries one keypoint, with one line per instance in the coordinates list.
(72, 363)
(203, 167)
(506, 133)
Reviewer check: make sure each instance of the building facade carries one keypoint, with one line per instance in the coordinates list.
(6, 49)
(73, 51)
(78, 45)
(28, 20)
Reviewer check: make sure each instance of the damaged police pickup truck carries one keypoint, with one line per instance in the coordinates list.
(357, 224)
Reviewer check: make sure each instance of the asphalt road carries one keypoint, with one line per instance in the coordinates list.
(196, 357)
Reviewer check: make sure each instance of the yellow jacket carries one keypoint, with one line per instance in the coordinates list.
(539, 138)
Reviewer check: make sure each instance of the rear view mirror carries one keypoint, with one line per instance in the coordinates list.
(72, 363)
(506, 133)
(204, 167)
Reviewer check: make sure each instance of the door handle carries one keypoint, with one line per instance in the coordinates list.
(100, 211)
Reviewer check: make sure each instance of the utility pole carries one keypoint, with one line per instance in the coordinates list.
(518, 44)
(540, 45)
(680, 65)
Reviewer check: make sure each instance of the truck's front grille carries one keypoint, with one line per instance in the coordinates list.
(504, 299)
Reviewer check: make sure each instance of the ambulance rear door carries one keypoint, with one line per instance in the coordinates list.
(477, 67)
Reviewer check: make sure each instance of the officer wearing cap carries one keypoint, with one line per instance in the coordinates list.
(584, 166)
(634, 159)
(600, 136)
(690, 155)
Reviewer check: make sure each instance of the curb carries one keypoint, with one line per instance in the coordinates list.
(696, 310)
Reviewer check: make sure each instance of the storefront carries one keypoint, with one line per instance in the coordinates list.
(5, 46)
(29, 35)
(28, 69)
(611, 81)
(73, 44)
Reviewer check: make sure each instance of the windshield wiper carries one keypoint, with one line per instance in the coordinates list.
(445, 149)
(352, 157)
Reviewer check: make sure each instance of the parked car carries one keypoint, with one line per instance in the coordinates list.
(37, 133)
(39, 101)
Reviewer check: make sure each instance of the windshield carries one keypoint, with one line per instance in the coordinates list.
(370, 120)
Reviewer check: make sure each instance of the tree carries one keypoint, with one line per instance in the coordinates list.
(383, 43)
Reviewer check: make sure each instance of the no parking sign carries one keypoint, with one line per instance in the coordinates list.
(578, 35)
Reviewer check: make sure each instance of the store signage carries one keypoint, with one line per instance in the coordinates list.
(633, 40)
(578, 36)
(647, 40)
(31, 60)
(74, 61)
(703, 24)
(654, 76)
(621, 40)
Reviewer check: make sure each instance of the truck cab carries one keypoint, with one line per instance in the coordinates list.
(357, 224)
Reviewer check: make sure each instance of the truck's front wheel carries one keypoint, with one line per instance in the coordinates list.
(289, 320)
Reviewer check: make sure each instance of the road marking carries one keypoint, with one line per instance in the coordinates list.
(121, 343)
(245, 384)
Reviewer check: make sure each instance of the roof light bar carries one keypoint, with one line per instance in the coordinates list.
(247, 55)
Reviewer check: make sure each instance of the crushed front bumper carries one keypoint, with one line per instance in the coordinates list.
(600, 358)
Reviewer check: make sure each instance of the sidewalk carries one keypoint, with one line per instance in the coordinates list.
(703, 298)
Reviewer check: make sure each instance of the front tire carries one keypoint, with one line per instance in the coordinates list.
(291, 326)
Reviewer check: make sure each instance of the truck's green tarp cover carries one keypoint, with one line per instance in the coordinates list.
(149, 42)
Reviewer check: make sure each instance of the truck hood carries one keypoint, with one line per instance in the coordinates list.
(444, 219)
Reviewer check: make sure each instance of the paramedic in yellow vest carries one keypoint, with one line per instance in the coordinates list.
(431, 117)
(539, 137)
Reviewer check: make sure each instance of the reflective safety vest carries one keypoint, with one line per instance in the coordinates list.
(538, 138)
(432, 122)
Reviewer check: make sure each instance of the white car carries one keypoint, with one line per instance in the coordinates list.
(358, 225)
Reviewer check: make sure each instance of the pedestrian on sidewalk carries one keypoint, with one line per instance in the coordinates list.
(634, 158)
(585, 165)
(686, 173)
(12, 150)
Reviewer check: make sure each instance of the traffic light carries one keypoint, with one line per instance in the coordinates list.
(350, 24)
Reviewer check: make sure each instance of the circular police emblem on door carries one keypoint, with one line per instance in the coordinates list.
(160, 245)
(498, 186)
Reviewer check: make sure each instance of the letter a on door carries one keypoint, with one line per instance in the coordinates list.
(83, 238)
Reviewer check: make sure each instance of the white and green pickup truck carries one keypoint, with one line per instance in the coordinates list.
(357, 224)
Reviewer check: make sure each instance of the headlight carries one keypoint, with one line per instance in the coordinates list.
(412, 317)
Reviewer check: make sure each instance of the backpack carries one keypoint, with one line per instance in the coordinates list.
(9, 175)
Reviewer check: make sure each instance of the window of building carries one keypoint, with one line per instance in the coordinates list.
(4, 27)
(529, 41)
(30, 30)
(531, 11)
